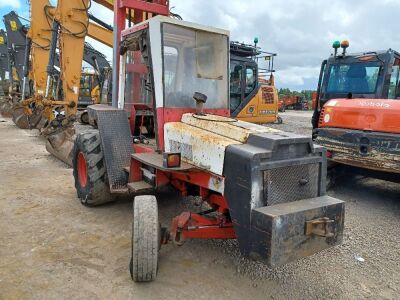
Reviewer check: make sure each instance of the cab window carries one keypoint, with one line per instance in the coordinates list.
(251, 80)
(236, 71)
(394, 87)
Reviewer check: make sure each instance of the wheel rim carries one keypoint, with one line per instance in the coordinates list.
(82, 170)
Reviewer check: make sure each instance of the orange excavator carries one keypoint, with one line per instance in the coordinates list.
(357, 116)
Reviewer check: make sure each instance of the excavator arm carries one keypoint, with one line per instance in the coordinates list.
(3, 55)
(16, 33)
(100, 34)
(39, 38)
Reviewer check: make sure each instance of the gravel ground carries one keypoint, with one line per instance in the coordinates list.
(53, 247)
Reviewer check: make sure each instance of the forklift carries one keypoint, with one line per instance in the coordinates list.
(356, 116)
(172, 126)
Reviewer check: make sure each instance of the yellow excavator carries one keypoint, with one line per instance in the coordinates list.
(253, 95)
(39, 108)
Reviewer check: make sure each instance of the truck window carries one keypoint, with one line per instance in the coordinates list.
(394, 88)
(358, 78)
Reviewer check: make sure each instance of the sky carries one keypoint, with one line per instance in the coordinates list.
(300, 32)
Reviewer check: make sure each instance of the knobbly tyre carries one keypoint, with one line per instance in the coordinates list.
(264, 187)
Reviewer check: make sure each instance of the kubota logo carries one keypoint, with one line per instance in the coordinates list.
(374, 104)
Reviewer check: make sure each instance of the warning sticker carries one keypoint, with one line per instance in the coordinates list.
(1, 40)
(13, 25)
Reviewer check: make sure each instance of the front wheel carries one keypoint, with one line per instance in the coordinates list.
(145, 239)
(89, 169)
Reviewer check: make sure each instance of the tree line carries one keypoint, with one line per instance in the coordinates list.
(287, 92)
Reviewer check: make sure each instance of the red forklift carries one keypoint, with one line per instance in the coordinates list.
(171, 126)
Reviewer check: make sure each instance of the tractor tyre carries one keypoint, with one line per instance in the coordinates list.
(145, 239)
(89, 169)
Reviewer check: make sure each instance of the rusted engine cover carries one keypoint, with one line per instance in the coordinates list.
(281, 234)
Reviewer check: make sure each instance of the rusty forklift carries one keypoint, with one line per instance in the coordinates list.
(170, 125)
(357, 114)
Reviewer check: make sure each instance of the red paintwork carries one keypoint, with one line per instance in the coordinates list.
(82, 170)
(165, 115)
(134, 29)
(158, 7)
(135, 174)
(139, 148)
(380, 115)
(140, 10)
(136, 68)
(192, 225)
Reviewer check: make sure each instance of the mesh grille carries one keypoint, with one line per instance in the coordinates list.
(117, 145)
(292, 183)
(267, 95)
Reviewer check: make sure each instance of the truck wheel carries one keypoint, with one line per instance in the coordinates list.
(145, 239)
(89, 169)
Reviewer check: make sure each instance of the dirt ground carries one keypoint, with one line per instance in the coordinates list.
(53, 247)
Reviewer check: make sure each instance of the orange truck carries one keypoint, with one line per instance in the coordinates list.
(357, 113)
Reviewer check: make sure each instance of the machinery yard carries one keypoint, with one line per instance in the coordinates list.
(154, 153)
(53, 247)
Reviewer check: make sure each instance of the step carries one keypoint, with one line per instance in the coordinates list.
(139, 186)
(127, 170)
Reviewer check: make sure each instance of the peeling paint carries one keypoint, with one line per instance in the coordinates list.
(226, 127)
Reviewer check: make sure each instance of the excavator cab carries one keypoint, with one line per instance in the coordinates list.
(252, 97)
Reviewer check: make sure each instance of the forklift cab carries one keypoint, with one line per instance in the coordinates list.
(164, 63)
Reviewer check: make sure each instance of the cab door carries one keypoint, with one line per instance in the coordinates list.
(243, 86)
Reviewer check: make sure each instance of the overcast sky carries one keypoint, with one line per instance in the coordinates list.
(300, 32)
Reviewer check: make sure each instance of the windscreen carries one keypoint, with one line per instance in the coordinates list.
(358, 78)
(194, 61)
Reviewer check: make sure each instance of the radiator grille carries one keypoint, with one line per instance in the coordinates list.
(291, 183)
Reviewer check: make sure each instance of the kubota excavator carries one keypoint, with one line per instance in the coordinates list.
(357, 116)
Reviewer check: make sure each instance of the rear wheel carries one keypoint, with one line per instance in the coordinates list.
(89, 169)
(145, 239)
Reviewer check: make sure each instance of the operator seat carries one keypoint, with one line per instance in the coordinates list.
(356, 79)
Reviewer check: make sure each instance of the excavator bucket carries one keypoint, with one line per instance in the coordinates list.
(60, 143)
(19, 117)
(6, 107)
